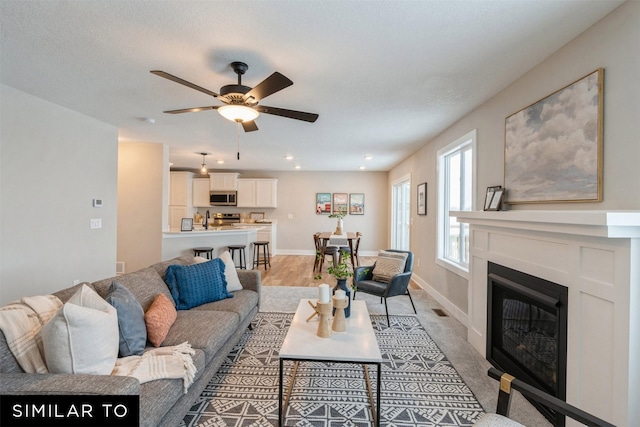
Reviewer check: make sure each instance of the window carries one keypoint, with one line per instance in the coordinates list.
(456, 192)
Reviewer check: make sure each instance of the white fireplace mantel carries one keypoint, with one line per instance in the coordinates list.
(596, 255)
(611, 224)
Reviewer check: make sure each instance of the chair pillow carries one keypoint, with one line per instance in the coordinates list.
(159, 319)
(82, 337)
(131, 326)
(197, 284)
(388, 265)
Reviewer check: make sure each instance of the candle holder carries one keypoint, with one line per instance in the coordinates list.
(324, 324)
(339, 321)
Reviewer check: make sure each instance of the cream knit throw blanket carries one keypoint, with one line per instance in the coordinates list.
(162, 362)
(20, 322)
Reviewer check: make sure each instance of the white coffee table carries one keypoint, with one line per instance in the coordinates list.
(357, 345)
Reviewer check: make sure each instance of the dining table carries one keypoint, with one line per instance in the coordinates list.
(330, 239)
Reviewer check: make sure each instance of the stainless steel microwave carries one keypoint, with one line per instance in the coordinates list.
(222, 198)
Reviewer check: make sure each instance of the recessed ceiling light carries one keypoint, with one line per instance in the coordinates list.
(288, 157)
(362, 168)
(368, 157)
(220, 162)
(297, 166)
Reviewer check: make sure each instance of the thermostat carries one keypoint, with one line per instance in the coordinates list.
(97, 203)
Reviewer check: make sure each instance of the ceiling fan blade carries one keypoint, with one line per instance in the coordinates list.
(249, 126)
(291, 114)
(268, 86)
(183, 82)
(191, 110)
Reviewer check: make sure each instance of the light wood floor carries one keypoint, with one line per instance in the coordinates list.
(297, 270)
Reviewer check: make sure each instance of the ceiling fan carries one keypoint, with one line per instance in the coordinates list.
(241, 102)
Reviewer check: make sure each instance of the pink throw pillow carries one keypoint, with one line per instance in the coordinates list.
(159, 318)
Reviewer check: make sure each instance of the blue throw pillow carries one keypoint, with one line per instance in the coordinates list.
(197, 284)
(131, 326)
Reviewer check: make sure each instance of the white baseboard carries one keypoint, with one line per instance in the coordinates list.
(460, 315)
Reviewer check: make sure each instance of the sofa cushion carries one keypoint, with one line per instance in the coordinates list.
(388, 265)
(242, 303)
(161, 267)
(131, 325)
(194, 285)
(144, 284)
(159, 319)
(206, 330)
(82, 337)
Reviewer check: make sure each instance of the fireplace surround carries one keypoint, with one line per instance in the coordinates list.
(596, 256)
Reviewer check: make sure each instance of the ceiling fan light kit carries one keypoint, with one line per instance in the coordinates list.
(238, 113)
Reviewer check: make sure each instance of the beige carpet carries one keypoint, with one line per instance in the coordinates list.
(449, 334)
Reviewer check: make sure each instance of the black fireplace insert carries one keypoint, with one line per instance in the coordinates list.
(527, 331)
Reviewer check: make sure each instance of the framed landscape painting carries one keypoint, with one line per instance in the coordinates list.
(553, 148)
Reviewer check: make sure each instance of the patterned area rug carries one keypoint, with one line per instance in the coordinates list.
(420, 387)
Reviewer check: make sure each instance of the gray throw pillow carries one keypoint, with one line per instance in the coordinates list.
(131, 326)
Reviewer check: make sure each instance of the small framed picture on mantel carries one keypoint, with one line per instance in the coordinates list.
(491, 191)
(496, 200)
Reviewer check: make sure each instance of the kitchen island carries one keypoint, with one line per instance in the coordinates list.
(178, 243)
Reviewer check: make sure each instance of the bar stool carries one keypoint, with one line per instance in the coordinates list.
(265, 254)
(204, 250)
(240, 249)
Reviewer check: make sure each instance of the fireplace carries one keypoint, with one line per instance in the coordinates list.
(527, 330)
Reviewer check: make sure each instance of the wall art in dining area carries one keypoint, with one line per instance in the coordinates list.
(554, 148)
(340, 203)
(422, 199)
(356, 204)
(323, 203)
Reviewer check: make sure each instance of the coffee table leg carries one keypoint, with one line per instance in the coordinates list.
(280, 396)
(375, 415)
(284, 403)
(379, 391)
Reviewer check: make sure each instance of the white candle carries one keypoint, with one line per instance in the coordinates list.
(324, 293)
(340, 294)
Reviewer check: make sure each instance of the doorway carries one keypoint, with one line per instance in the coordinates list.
(401, 213)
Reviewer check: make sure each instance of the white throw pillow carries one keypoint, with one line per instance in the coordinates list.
(230, 273)
(388, 265)
(82, 337)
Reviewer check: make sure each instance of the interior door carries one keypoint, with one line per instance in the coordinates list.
(401, 214)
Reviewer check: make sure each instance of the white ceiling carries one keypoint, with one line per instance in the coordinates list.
(384, 76)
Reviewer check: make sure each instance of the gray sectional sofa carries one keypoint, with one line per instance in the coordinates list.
(212, 330)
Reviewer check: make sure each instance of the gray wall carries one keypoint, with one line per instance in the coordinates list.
(53, 162)
(614, 44)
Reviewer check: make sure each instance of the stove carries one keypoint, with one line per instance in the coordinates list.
(218, 219)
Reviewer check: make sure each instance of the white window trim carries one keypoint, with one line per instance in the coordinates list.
(468, 139)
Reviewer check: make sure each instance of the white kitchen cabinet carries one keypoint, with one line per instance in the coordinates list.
(223, 181)
(257, 193)
(201, 192)
(180, 188)
(180, 198)
(176, 213)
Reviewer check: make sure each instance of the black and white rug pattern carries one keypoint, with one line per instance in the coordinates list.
(420, 387)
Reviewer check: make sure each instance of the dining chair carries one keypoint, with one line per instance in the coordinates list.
(322, 254)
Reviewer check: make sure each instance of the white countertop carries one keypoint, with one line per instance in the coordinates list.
(211, 231)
